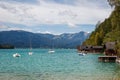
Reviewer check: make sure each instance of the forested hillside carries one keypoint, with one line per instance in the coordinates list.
(107, 31)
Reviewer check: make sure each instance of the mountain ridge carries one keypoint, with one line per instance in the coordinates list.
(21, 39)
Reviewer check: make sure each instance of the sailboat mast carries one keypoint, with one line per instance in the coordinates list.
(30, 43)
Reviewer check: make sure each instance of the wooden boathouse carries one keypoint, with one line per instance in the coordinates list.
(107, 58)
(110, 53)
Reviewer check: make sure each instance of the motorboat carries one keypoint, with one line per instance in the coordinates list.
(16, 55)
(81, 54)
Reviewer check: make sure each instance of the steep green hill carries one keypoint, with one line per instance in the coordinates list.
(107, 31)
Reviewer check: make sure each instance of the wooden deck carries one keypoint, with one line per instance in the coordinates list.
(107, 58)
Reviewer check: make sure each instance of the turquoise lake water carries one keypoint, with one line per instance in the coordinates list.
(64, 64)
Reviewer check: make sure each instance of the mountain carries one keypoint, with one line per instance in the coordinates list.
(21, 39)
(107, 31)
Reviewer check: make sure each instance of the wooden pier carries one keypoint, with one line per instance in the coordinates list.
(107, 58)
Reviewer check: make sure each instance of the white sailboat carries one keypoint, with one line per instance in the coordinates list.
(16, 55)
(51, 50)
(30, 53)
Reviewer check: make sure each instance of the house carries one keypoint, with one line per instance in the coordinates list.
(84, 48)
(90, 48)
(98, 48)
(110, 49)
(110, 45)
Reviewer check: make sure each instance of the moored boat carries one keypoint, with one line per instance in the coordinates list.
(16, 55)
(30, 53)
(81, 54)
(51, 51)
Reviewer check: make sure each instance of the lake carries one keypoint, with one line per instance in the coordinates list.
(64, 64)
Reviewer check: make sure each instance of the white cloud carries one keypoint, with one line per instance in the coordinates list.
(3, 26)
(71, 25)
(52, 13)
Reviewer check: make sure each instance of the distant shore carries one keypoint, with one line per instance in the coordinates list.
(6, 46)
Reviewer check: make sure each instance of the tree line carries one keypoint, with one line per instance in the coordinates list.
(109, 30)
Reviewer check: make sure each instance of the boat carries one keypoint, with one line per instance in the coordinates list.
(16, 55)
(51, 51)
(30, 53)
(118, 60)
(81, 54)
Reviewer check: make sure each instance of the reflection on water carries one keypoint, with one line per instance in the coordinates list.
(64, 64)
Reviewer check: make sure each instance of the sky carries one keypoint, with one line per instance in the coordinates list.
(52, 16)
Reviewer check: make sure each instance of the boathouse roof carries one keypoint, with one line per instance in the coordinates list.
(110, 45)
